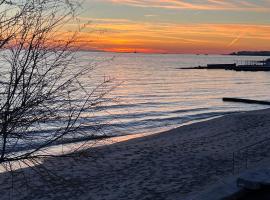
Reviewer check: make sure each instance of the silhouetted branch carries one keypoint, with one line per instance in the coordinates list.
(43, 95)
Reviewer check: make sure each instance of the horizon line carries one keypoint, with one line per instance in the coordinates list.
(138, 52)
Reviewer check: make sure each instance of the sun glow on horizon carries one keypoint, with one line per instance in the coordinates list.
(176, 26)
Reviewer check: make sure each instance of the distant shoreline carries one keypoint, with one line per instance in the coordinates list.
(240, 53)
(251, 53)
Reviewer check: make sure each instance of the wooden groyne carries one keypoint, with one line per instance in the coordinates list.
(249, 101)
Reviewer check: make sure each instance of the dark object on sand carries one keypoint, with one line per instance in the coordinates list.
(262, 194)
(255, 185)
(250, 185)
(250, 101)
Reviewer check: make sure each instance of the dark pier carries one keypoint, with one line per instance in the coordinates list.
(253, 66)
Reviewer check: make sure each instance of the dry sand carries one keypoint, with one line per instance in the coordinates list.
(168, 165)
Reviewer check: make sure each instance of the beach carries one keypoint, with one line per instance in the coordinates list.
(169, 165)
(134, 100)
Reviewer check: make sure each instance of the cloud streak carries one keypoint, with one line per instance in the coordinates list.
(127, 35)
(233, 5)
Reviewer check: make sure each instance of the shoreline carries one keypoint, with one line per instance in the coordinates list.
(101, 140)
(168, 165)
(93, 142)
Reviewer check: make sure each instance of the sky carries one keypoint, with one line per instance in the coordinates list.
(175, 26)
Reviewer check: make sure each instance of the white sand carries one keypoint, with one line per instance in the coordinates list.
(168, 165)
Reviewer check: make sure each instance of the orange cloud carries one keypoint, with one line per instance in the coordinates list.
(128, 36)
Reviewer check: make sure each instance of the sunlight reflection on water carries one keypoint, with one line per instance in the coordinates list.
(155, 94)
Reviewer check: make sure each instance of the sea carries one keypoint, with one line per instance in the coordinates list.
(153, 94)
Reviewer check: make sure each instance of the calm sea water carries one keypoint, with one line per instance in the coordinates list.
(155, 95)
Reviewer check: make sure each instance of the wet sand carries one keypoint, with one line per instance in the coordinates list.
(169, 165)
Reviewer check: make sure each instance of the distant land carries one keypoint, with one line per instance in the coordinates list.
(251, 53)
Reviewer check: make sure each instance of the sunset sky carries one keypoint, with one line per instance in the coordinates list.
(176, 26)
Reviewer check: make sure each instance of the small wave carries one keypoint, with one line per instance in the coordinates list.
(190, 110)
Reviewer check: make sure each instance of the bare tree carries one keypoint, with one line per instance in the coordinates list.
(42, 92)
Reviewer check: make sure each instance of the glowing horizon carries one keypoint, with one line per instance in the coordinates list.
(176, 26)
